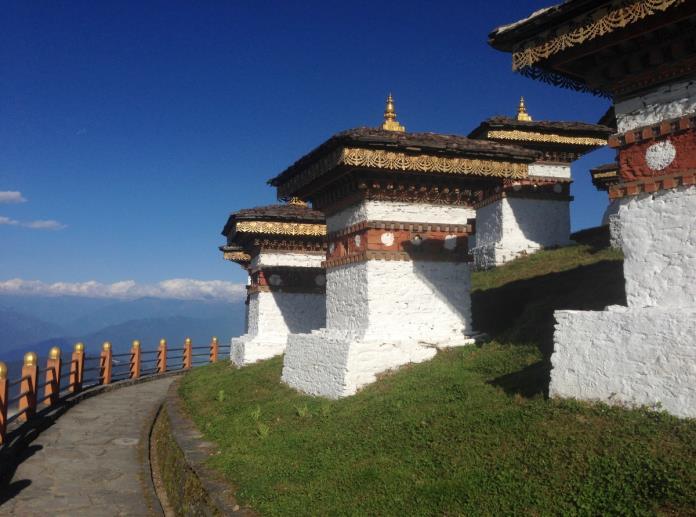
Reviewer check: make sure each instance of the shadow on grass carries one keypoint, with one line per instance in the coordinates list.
(521, 313)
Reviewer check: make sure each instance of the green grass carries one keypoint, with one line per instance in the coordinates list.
(468, 433)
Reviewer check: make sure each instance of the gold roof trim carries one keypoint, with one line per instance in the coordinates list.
(237, 256)
(609, 174)
(604, 22)
(531, 136)
(380, 159)
(278, 228)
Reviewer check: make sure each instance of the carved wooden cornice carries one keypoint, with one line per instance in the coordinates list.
(598, 23)
(280, 228)
(402, 162)
(531, 136)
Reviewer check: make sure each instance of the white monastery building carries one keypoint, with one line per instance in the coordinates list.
(282, 248)
(641, 54)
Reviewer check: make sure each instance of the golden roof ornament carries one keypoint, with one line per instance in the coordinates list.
(522, 112)
(390, 123)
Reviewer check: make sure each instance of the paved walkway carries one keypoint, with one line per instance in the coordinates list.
(91, 461)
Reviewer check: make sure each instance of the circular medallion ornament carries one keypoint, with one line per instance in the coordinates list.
(275, 280)
(557, 188)
(357, 240)
(660, 155)
(387, 238)
(450, 242)
(417, 240)
(320, 280)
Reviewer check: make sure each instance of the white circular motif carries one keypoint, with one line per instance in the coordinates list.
(557, 188)
(357, 240)
(660, 155)
(275, 279)
(417, 240)
(332, 247)
(387, 238)
(450, 242)
(517, 187)
(320, 280)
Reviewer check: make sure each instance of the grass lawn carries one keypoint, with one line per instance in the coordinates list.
(468, 433)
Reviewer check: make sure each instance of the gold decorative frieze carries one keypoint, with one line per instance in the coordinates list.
(600, 22)
(531, 136)
(281, 228)
(380, 159)
(237, 256)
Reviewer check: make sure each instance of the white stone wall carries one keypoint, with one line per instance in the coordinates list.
(658, 233)
(627, 356)
(644, 353)
(549, 170)
(511, 227)
(611, 218)
(402, 212)
(411, 301)
(664, 102)
(286, 258)
(270, 318)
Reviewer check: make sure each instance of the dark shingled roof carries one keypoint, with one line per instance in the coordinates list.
(543, 126)
(428, 143)
(288, 212)
(506, 36)
(613, 166)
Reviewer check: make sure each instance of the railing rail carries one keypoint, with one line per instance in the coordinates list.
(40, 389)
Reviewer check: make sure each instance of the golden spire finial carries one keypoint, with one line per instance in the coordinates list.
(390, 123)
(522, 112)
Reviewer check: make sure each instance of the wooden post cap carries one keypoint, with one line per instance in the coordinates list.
(3, 370)
(30, 359)
(54, 353)
(215, 339)
(106, 346)
(163, 342)
(79, 347)
(136, 343)
(187, 341)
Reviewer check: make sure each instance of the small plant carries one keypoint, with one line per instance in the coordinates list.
(256, 413)
(221, 396)
(302, 411)
(263, 430)
(325, 409)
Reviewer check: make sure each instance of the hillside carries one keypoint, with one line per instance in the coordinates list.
(468, 433)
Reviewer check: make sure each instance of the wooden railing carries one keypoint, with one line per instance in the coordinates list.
(37, 392)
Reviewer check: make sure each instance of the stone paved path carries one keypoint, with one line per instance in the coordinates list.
(91, 461)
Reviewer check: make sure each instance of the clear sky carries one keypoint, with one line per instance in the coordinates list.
(130, 129)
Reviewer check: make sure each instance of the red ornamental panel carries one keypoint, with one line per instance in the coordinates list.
(658, 157)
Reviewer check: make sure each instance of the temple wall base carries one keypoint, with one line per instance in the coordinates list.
(333, 364)
(272, 317)
(631, 356)
(380, 315)
(513, 227)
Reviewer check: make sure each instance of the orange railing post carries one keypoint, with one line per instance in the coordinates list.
(53, 367)
(135, 360)
(77, 367)
(162, 356)
(30, 375)
(106, 365)
(4, 391)
(214, 350)
(187, 359)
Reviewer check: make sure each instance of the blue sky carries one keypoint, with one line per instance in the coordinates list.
(138, 126)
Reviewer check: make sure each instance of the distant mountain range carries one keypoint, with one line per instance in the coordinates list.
(34, 323)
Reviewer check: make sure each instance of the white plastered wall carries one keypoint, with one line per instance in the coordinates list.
(661, 103)
(271, 316)
(644, 353)
(511, 227)
(382, 314)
